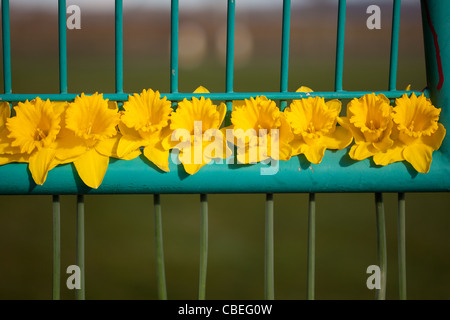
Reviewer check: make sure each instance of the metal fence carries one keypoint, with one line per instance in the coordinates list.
(132, 177)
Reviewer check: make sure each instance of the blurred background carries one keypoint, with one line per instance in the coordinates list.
(120, 255)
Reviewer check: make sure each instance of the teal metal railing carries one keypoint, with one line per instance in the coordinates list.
(132, 176)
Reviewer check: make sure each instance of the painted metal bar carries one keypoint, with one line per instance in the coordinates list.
(119, 45)
(175, 96)
(203, 245)
(6, 47)
(56, 247)
(381, 245)
(394, 45)
(160, 268)
(229, 72)
(339, 70)
(80, 294)
(62, 36)
(402, 245)
(174, 26)
(285, 37)
(311, 260)
(230, 46)
(336, 173)
(269, 288)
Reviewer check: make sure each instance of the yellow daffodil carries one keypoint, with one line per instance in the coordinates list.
(89, 137)
(258, 124)
(30, 136)
(193, 126)
(145, 123)
(313, 122)
(370, 120)
(417, 133)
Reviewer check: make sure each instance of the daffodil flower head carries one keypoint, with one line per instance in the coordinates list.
(417, 131)
(145, 123)
(90, 137)
(194, 123)
(8, 153)
(313, 122)
(370, 120)
(35, 125)
(256, 121)
(33, 132)
(91, 119)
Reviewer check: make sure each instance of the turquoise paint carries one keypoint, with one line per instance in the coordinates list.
(176, 96)
(6, 47)
(119, 45)
(339, 68)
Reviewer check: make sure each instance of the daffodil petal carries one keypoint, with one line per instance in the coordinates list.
(340, 139)
(201, 89)
(5, 113)
(158, 155)
(304, 89)
(345, 122)
(69, 148)
(127, 145)
(192, 168)
(314, 153)
(334, 105)
(40, 164)
(393, 154)
(108, 147)
(248, 155)
(285, 130)
(435, 139)
(91, 167)
(222, 109)
(297, 145)
(361, 151)
(284, 152)
(419, 156)
(11, 158)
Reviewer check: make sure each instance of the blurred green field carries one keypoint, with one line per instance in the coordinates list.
(120, 253)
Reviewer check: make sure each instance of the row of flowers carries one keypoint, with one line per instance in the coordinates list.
(90, 130)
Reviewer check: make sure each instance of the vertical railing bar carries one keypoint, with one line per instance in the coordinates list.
(160, 269)
(56, 247)
(339, 71)
(285, 35)
(401, 231)
(229, 72)
(203, 245)
(311, 259)
(6, 47)
(80, 293)
(174, 25)
(381, 245)
(394, 45)
(62, 46)
(119, 45)
(269, 250)
(402, 245)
